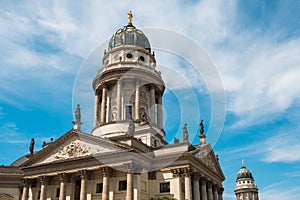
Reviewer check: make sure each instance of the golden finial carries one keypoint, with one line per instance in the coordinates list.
(243, 163)
(129, 14)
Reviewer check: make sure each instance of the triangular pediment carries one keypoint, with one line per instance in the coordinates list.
(74, 145)
(206, 154)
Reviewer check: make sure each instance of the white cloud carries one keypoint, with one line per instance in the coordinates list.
(227, 196)
(258, 73)
(264, 84)
(279, 191)
(281, 147)
(10, 134)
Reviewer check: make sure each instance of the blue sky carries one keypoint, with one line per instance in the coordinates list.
(255, 46)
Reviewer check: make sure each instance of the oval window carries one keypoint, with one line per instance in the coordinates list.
(129, 55)
(142, 58)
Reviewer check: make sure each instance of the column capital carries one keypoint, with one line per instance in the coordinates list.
(84, 174)
(220, 190)
(209, 184)
(216, 186)
(203, 180)
(107, 171)
(63, 177)
(196, 176)
(187, 171)
(44, 180)
(25, 182)
(176, 172)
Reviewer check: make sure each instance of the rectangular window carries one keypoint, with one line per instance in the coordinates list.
(164, 187)
(57, 192)
(122, 185)
(128, 112)
(39, 194)
(99, 187)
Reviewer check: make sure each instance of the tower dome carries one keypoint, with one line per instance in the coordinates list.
(244, 173)
(128, 90)
(245, 188)
(129, 35)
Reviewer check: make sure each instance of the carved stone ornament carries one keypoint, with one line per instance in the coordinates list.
(209, 162)
(74, 149)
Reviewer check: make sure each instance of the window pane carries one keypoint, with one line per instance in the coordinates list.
(57, 192)
(164, 187)
(122, 185)
(128, 112)
(99, 187)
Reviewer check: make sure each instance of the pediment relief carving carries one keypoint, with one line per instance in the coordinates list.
(207, 157)
(74, 149)
(209, 162)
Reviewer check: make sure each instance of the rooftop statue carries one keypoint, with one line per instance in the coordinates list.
(129, 14)
(185, 133)
(31, 147)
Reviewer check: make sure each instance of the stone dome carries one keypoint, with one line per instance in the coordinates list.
(129, 35)
(244, 173)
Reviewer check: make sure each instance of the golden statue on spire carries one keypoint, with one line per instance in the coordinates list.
(129, 14)
(243, 163)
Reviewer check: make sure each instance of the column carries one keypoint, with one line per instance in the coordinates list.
(187, 184)
(159, 112)
(83, 176)
(25, 189)
(215, 192)
(43, 180)
(203, 189)
(106, 172)
(129, 192)
(220, 193)
(62, 191)
(119, 87)
(196, 187)
(103, 106)
(97, 111)
(210, 192)
(108, 112)
(137, 100)
(152, 105)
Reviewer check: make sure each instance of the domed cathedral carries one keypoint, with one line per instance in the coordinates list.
(245, 188)
(126, 155)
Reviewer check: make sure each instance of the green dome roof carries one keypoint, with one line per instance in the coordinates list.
(244, 172)
(129, 35)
